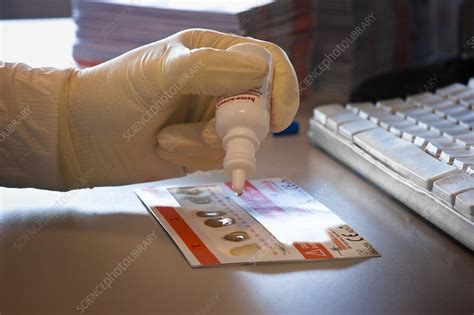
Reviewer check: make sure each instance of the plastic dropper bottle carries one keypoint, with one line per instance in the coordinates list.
(243, 121)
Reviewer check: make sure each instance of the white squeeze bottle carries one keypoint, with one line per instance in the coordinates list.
(243, 121)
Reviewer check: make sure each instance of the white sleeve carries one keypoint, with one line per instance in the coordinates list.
(32, 101)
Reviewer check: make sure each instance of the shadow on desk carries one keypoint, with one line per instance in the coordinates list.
(54, 261)
(72, 234)
(277, 268)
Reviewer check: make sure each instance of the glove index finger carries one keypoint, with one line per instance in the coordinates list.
(210, 71)
(285, 93)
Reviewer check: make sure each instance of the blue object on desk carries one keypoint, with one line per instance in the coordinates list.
(293, 129)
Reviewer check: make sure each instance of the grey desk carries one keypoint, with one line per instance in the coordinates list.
(55, 248)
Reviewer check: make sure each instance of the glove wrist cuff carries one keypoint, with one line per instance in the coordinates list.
(71, 172)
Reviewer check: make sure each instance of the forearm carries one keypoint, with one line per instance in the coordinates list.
(33, 131)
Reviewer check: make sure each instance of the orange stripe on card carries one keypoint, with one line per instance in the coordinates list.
(192, 241)
(311, 250)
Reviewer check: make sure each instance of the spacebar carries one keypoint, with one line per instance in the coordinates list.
(403, 157)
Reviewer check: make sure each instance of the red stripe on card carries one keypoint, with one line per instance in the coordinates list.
(312, 250)
(258, 201)
(192, 241)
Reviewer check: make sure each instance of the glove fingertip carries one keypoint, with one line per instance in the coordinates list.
(223, 72)
(285, 101)
(165, 141)
(209, 135)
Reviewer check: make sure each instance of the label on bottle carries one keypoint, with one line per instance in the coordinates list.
(250, 95)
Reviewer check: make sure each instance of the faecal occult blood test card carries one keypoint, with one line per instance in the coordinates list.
(274, 220)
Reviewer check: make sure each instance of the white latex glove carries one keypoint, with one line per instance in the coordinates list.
(148, 113)
(30, 105)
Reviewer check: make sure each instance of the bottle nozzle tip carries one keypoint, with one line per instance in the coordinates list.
(238, 180)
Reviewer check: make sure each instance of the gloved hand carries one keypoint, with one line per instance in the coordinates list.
(145, 115)
(158, 101)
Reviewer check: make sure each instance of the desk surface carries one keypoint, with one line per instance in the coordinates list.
(71, 240)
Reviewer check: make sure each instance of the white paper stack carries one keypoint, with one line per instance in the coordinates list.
(108, 28)
(392, 35)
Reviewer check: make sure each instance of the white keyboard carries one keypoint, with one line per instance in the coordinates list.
(419, 149)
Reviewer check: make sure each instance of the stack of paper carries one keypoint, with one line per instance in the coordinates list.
(289, 24)
(108, 28)
(356, 40)
(333, 45)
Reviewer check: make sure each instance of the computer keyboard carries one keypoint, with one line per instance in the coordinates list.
(419, 149)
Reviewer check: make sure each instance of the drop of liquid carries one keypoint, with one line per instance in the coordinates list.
(209, 214)
(219, 222)
(237, 236)
(200, 200)
(238, 194)
(246, 250)
(188, 191)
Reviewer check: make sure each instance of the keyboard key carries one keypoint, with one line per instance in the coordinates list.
(366, 113)
(463, 163)
(440, 126)
(392, 104)
(356, 107)
(466, 140)
(447, 188)
(424, 99)
(450, 89)
(423, 140)
(467, 102)
(448, 127)
(435, 147)
(379, 117)
(322, 112)
(471, 83)
(410, 135)
(448, 156)
(403, 157)
(415, 115)
(450, 111)
(348, 130)
(444, 110)
(404, 123)
(412, 110)
(467, 123)
(467, 118)
(463, 113)
(464, 203)
(455, 131)
(437, 108)
(470, 169)
(467, 93)
(428, 120)
(398, 129)
(333, 121)
(387, 123)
